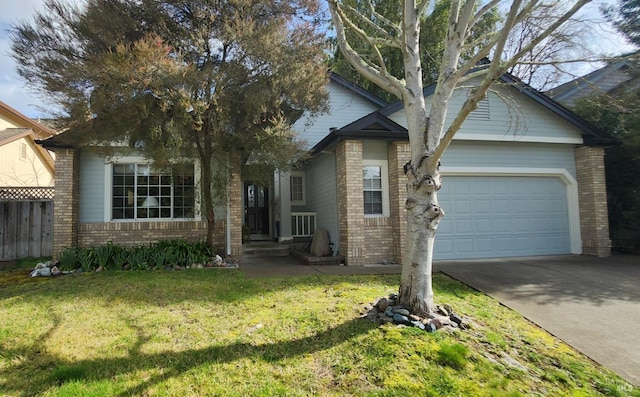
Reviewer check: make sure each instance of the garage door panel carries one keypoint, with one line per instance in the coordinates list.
(502, 216)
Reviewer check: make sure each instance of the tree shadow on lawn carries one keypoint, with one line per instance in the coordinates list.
(162, 288)
(55, 371)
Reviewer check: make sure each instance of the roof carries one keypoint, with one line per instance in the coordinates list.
(357, 89)
(29, 129)
(18, 118)
(11, 134)
(591, 135)
(372, 126)
(604, 80)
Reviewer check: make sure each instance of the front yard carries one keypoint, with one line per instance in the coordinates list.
(214, 332)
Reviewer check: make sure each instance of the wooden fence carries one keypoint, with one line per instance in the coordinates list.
(26, 226)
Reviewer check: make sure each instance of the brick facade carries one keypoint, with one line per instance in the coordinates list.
(365, 240)
(69, 233)
(129, 234)
(592, 196)
(65, 210)
(350, 202)
(399, 153)
(236, 213)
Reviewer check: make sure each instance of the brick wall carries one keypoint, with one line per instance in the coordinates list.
(350, 202)
(399, 153)
(379, 240)
(592, 196)
(236, 213)
(135, 233)
(65, 210)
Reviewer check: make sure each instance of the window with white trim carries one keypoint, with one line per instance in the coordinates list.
(140, 191)
(375, 188)
(296, 181)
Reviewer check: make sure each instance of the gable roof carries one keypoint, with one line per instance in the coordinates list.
(372, 126)
(604, 80)
(357, 89)
(20, 119)
(28, 129)
(591, 135)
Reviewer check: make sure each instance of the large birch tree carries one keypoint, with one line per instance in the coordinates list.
(431, 132)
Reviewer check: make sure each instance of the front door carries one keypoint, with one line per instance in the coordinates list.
(256, 210)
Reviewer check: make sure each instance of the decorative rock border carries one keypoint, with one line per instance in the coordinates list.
(385, 311)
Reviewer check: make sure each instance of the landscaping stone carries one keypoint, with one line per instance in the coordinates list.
(403, 317)
(402, 312)
(400, 319)
(382, 304)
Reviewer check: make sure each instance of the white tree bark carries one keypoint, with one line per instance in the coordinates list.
(430, 135)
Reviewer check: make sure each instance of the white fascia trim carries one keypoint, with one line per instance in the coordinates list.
(517, 138)
(571, 186)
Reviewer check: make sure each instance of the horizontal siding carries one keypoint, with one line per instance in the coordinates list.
(92, 185)
(512, 117)
(320, 187)
(512, 155)
(345, 106)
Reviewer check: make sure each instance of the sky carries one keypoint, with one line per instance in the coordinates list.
(13, 90)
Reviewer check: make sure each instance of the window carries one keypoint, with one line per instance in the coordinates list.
(372, 180)
(297, 188)
(139, 191)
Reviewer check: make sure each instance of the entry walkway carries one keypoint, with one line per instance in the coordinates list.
(592, 304)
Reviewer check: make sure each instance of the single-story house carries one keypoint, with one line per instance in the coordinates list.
(523, 177)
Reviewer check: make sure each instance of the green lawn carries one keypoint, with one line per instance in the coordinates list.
(212, 332)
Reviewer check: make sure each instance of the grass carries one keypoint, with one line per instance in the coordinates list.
(214, 332)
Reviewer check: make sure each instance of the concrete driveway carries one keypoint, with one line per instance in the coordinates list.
(593, 304)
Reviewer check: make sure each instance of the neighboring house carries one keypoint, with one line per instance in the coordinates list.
(22, 162)
(523, 177)
(621, 75)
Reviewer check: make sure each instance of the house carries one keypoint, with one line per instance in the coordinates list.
(23, 163)
(523, 177)
(609, 80)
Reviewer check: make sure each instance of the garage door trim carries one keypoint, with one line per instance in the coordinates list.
(570, 183)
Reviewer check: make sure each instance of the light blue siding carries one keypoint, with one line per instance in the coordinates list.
(321, 189)
(92, 185)
(512, 117)
(345, 106)
(489, 217)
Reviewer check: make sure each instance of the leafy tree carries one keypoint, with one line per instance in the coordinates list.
(625, 16)
(429, 131)
(433, 29)
(208, 79)
(618, 114)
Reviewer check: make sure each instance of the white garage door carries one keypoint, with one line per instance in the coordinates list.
(490, 217)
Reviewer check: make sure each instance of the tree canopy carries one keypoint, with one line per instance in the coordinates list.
(180, 78)
(433, 30)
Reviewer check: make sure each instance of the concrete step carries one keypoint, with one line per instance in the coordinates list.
(265, 249)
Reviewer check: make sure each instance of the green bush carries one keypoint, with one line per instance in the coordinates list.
(143, 257)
